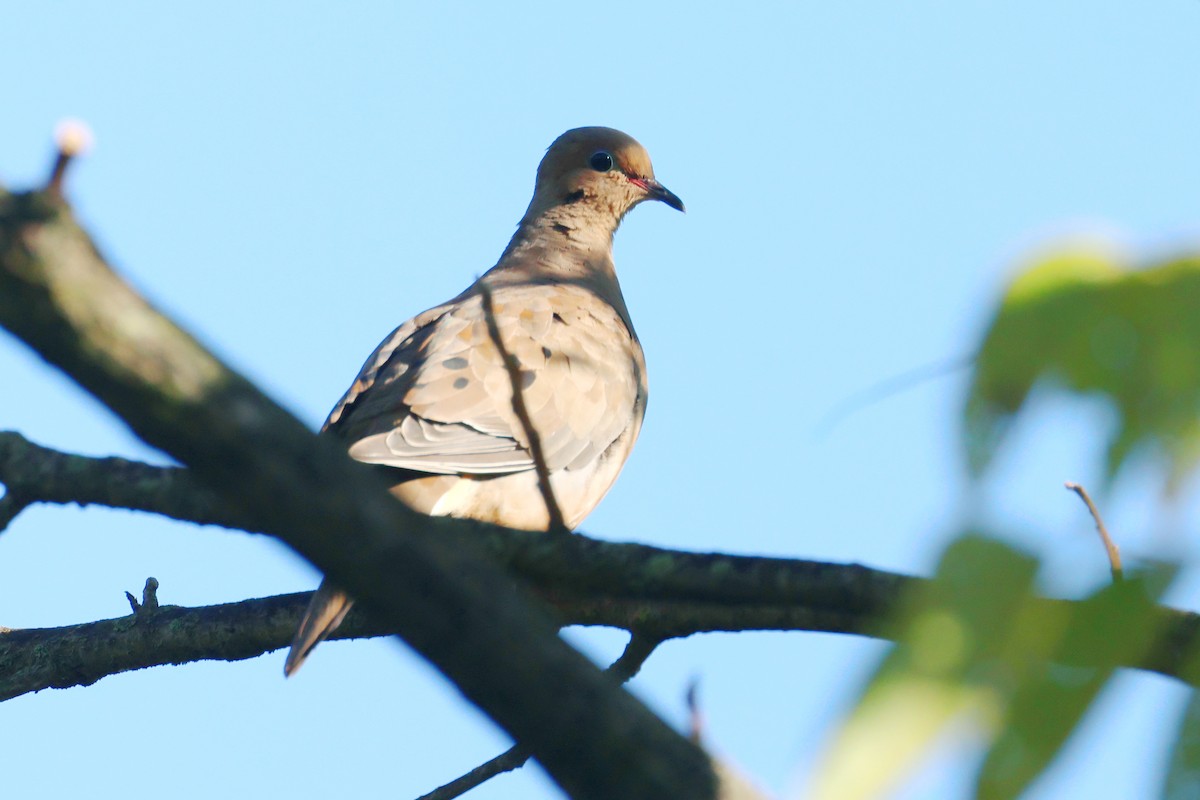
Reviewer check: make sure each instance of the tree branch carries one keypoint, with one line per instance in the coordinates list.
(637, 650)
(576, 565)
(838, 599)
(39, 474)
(668, 593)
(59, 296)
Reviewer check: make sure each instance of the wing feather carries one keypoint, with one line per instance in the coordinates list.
(435, 396)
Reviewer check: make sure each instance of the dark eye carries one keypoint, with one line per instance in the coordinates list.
(601, 161)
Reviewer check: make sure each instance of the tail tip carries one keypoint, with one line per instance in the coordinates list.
(292, 663)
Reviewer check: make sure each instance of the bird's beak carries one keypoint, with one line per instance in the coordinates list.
(656, 191)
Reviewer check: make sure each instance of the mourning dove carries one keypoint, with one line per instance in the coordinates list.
(433, 406)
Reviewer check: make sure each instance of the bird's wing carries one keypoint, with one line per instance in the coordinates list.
(437, 398)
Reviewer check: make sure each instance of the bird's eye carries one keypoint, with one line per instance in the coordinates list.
(601, 161)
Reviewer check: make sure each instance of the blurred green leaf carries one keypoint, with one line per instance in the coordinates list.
(951, 627)
(1084, 322)
(977, 643)
(1115, 624)
(1183, 773)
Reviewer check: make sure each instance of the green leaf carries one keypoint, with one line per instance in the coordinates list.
(1083, 322)
(949, 629)
(1183, 773)
(977, 643)
(1114, 625)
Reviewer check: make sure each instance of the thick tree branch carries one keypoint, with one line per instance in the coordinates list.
(665, 593)
(591, 582)
(59, 296)
(840, 599)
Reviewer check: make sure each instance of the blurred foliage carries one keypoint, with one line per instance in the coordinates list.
(979, 647)
(1085, 322)
(1183, 773)
(980, 650)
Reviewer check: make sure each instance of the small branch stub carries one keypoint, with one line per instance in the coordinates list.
(72, 138)
(149, 598)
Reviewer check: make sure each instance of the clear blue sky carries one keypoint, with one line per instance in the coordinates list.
(293, 180)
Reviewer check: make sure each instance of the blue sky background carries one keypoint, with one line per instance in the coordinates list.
(293, 180)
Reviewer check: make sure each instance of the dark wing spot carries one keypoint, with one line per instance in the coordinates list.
(546, 352)
(458, 362)
(574, 197)
(527, 378)
(461, 383)
(558, 226)
(558, 318)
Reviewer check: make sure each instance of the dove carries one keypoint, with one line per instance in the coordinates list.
(434, 407)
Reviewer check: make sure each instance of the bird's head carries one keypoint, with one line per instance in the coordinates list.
(601, 168)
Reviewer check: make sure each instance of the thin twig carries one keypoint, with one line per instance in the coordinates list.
(733, 782)
(890, 386)
(513, 367)
(1114, 553)
(695, 715)
(637, 650)
(513, 758)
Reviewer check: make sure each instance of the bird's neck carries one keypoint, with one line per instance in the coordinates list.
(563, 244)
(566, 241)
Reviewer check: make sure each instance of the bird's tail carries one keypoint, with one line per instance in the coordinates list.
(325, 612)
